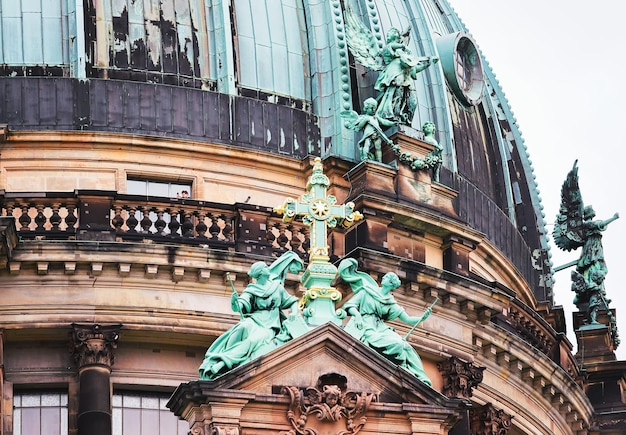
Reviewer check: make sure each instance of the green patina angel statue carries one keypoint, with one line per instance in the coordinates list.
(372, 125)
(263, 326)
(576, 228)
(397, 65)
(370, 307)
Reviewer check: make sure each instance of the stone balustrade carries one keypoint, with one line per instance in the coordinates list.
(130, 218)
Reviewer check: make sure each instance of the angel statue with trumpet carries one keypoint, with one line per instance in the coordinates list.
(574, 228)
(397, 65)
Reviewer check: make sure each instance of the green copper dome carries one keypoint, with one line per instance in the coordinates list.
(276, 76)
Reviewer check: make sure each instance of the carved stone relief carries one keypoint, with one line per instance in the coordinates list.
(459, 377)
(327, 408)
(489, 420)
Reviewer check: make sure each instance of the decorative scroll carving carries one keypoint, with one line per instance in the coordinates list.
(459, 377)
(94, 344)
(488, 420)
(330, 403)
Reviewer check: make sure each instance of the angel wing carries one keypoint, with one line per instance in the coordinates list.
(568, 229)
(362, 42)
(351, 118)
(314, 396)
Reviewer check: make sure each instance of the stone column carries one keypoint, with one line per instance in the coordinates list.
(93, 346)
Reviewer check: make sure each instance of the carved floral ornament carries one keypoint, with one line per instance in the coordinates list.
(327, 408)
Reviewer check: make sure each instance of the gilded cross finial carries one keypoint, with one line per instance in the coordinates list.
(319, 211)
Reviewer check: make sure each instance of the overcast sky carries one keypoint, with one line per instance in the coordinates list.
(561, 65)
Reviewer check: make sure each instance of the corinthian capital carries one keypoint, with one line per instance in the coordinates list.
(94, 344)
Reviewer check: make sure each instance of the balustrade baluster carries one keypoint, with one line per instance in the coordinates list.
(25, 219)
(70, 219)
(118, 220)
(228, 228)
(132, 222)
(202, 228)
(282, 238)
(269, 235)
(55, 219)
(174, 224)
(40, 219)
(295, 241)
(160, 223)
(146, 223)
(215, 229)
(187, 224)
(10, 206)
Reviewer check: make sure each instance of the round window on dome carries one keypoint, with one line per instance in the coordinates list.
(462, 66)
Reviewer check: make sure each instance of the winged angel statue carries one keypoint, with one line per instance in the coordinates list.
(397, 65)
(574, 228)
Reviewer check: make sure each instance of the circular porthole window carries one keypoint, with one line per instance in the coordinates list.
(461, 64)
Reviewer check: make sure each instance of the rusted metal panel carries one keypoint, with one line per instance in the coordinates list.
(211, 118)
(257, 133)
(82, 102)
(131, 106)
(285, 124)
(147, 107)
(30, 110)
(115, 106)
(14, 103)
(164, 108)
(270, 123)
(156, 110)
(225, 108)
(181, 111)
(64, 108)
(299, 140)
(98, 103)
(194, 107)
(47, 102)
(241, 121)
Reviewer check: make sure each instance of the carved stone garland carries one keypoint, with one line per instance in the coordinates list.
(330, 405)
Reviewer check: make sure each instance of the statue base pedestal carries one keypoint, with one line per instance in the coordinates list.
(372, 177)
(595, 343)
(418, 186)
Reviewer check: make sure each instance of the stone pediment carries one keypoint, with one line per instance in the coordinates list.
(292, 381)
